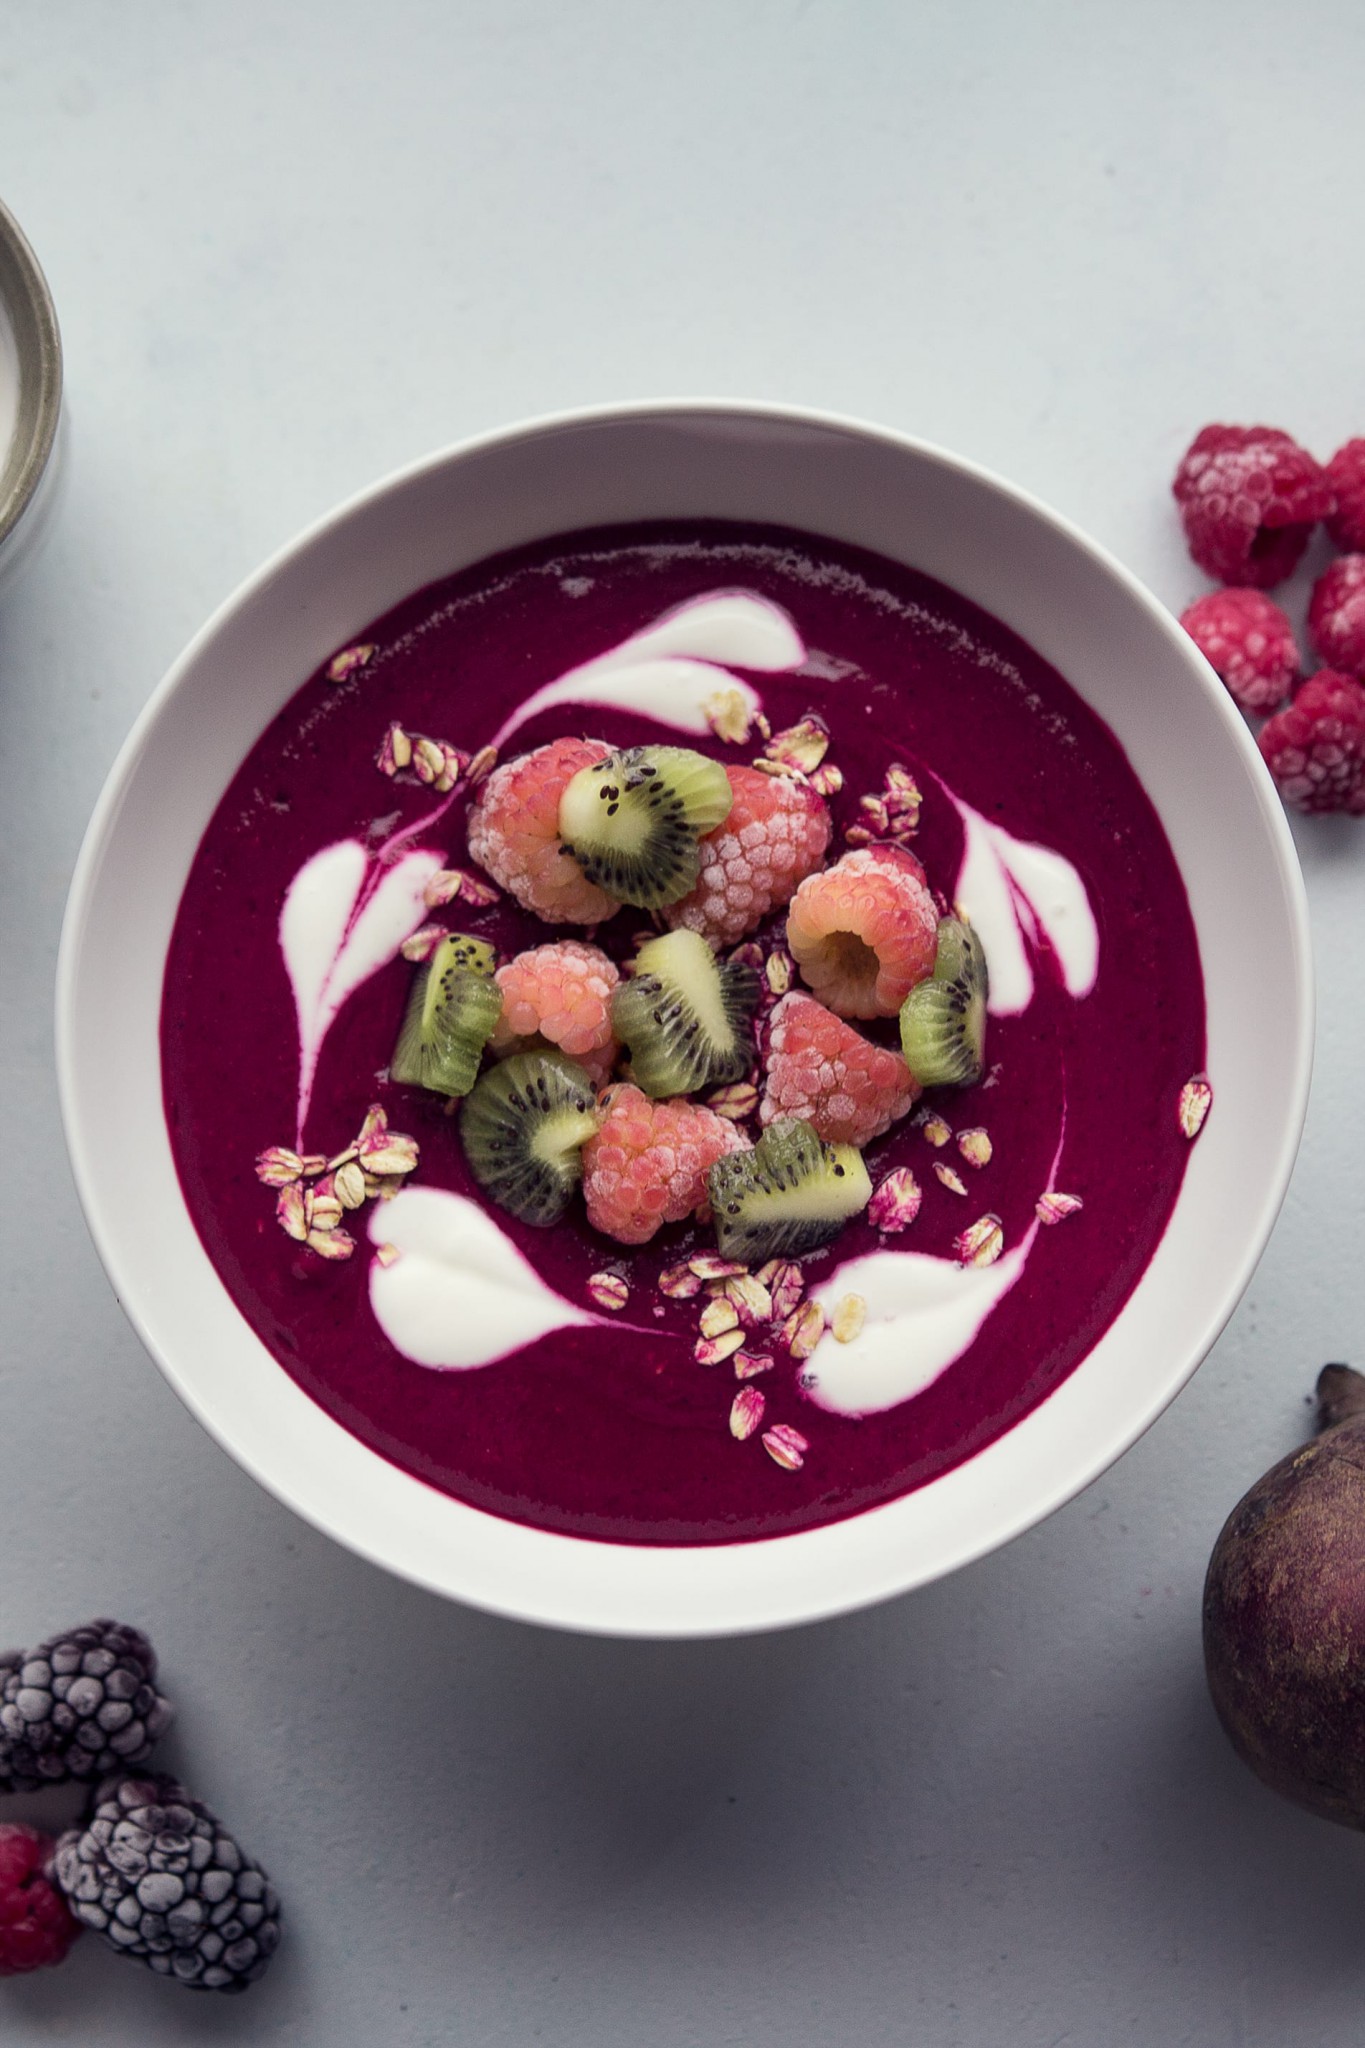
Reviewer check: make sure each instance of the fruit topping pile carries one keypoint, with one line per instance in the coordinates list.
(574, 1069)
(1249, 500)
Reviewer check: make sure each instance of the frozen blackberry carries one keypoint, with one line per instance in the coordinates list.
(82, 1704)
(159, 1876)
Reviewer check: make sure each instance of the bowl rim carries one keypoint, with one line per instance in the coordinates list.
(28, 301)
(1006, 1523)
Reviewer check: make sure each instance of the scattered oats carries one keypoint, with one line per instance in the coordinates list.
(786, 1447)
(981, 1243)
(397, 1155)
(749, 1364)
(608, 1290)
(801, 748)
(349, 1182)
(874, 815)
(1196, 1100)
(278, 1167)
(749, 954)
(474, 890)
(975, 1147)
(827, 780)
(766, 767)
(786, 1286)
(679, 1283)
(750, 1298)
(736, 1102)
(719, 1316)
(778, 971)
(902, 798)
(380, 1190)
(761, 725)
(714, 1350)
(950, 1179)
(850, 1313)
(386, 1254)
(803, 1329)
(331, 1244)
(711, 1266)
(896, 1203)
(858, 835)
(313, 1165)
(290, 1212)
(322, 1207)
(341, 1159)
(1052, 1207)
(482, 765)
(935, 1130)
(347, 662)
(423, 943)
(428, 760)
(443, 888)
(729, 716)
(746, 1412)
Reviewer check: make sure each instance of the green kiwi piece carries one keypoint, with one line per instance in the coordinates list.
(790, 1194)
(943, 1020)
(451, 1012)
(632, 822)
(523, 1128)
(685, 1018)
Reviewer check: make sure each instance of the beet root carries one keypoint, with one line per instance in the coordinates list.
(1284, 1614)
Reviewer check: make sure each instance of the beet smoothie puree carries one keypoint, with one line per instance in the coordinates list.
(907, 789)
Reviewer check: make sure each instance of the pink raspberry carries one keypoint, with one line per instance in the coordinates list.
(1346, 480)
(514, 834)
(648, 1163)
(823, 1070)
(1249, 497)
(559, 995)
(1336, 615)
(776, 834)
(865, 931)
(1315, 747)
(1248, 642)
(36, 1925)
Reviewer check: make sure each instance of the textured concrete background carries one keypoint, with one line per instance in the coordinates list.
(295, 245)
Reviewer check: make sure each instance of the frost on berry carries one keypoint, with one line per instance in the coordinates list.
(1249, 497)
(1249, 644)
(1346, 480)
(1336, 615)
(1315, 747)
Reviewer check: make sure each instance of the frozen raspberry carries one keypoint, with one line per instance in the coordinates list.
(159, 1876)
(1249, 497)
(775, 835)
(822, 1070)
(36, 1926)
(1346, 480)
(514, 834)
(81, 1704)
(1248, 642)
(864, 931)
(648, 1163)
(1336, 615)
(1315, 747)
(559, 995)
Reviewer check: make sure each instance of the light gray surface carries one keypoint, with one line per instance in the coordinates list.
(293, 246)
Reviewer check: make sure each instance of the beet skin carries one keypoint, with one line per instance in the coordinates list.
(1284, 1615)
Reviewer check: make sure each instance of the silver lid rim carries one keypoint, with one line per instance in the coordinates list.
(23, 289)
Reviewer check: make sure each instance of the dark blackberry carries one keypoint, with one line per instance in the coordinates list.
(158, 1875)
(80, 1705)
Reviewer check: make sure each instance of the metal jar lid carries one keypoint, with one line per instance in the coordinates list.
(28, 421)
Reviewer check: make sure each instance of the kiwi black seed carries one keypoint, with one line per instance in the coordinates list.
(686, 1019)
(943, 1020)
(451, 1012)
(790, 1194)
(523, 1128)
(632, 822)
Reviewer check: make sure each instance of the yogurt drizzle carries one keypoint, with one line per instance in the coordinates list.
(452, 1291)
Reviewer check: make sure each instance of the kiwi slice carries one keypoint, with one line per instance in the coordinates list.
(632, 822)
(684, 1017)
(943, 1020)
(790, 1194)
(451, 1012)
(522, 1129)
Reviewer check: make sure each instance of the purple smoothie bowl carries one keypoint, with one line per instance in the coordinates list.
(861, 488)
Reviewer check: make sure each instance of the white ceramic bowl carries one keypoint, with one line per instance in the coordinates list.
(1117, 646)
